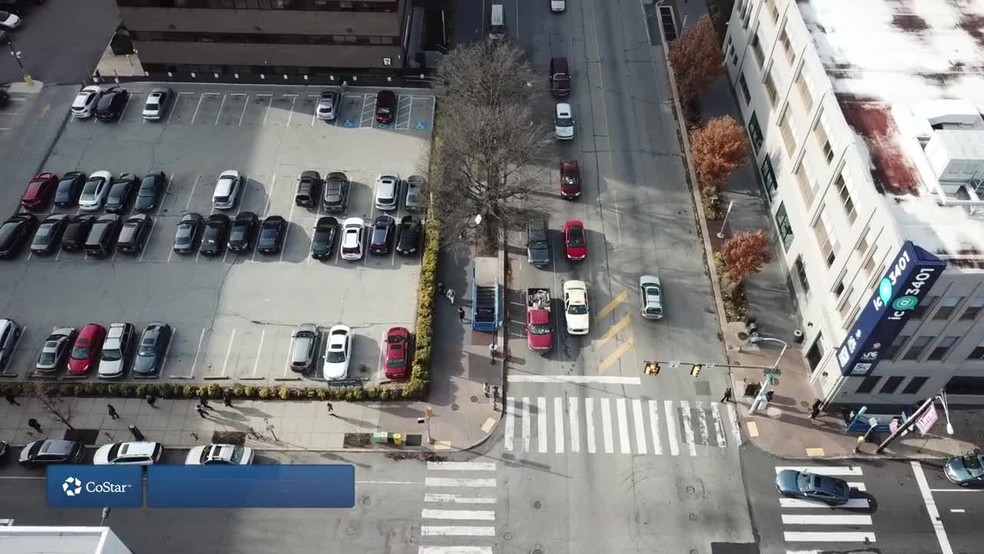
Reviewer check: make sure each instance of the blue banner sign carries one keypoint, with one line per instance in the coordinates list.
(904, 285)
(254, 486)
(71, 486)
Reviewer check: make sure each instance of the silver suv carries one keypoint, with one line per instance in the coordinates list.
(304, 347)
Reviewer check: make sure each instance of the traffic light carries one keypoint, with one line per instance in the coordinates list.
(695, 370)
(652, 368)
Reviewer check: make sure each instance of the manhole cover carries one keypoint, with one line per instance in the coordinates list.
(366, 500)
(507, 536)
(537, 504)
(474, 398)
(693, 516)
(691, 490)
(454, 407)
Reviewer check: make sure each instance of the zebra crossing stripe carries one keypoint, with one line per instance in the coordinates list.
(718, 425)
(454, 531)
(606, 425)
(457, 499)
(510, 422)
(836, 519)
(527, 430)
(702, 424)
(640, 427)
(735, 429)
(671, 429)
(559, 425)
(853, 503)
(688, 428)
(623, 426)
(654, 423)
(541, 424)
(454, 482)
(466, 515)
(857, 485)
(792, 536)
(589, 416)
(572, 410)
(461, 466)
(833, 471)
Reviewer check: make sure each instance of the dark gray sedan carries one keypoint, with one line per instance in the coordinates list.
(965, 470)
(149, 193)
(188, 232)
(823, 488)
(152, 349)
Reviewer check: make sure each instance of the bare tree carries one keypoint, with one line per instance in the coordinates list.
(489, 141)
(49, 396)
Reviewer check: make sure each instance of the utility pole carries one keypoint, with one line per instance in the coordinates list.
(906, 425)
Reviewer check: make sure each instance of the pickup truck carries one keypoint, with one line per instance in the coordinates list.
(539, 335)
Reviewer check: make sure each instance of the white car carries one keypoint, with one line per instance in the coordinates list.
(220, 454)
(387, 191)
(85, 101)
(558, 6)
(227, 190)
(157, 103)
(338, 352)
(351, 246)
(9, 20)
(95, 190)
(142, 453)
(564, 122)
(652, 297)
(115, 350)
(328, 105)
(415, 195)
(576, 309)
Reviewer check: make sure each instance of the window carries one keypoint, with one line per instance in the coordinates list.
(914, 385)
(806, 183)
(757, 50)
(947, 307)
(845, 189)
(803, 88)
(785, 229)
(973, 308)
(743, 85)
(770, 88)
(893, 349)
(839, 289)
(922, 307)
(826, 237)
(846, 304)
(891, 384)
(786, 130)
(867, 385)
(942, 348)
(917, 347)
(800, 268)
(978, 352)
(769, 177)
(787, 47)
(820, 133)
(863, 243)
(774, 9)
(754, 131)
(731, 49)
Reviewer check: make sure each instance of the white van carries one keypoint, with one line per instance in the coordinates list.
(497, 29)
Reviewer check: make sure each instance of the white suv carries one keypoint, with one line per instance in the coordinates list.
(227, 190)
(564, 122)
(387, 191)
(351, 247)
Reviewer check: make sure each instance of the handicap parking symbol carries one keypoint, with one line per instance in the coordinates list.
(349, 123)
(421, 125)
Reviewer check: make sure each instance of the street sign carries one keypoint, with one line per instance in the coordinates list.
(894, 425)
(674, 363)
(925, 422)
(772, 371)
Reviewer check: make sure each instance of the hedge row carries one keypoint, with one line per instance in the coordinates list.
(177, 391)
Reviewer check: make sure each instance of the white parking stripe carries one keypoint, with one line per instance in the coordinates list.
(589, 424)
(290, 114)
(831, 519)
(256, 364)
(510, 416)
(719, 432)
(541, 424)
(853, 503)
(735, 429)
(606, 426)
(195, 115)
(266, 113)
(150, 233)
(467, 515)
(219, 114)
(432, 531)
(460, 466)
(455, 550)
(559, 425)
(857, 485)
(283, 242)
(824, 470)
(458, 499)
(688, 429)
(456, 482)
(623, 426)
(640, 426)
(225, 364)
(829, 537)
(243, 114)
(572, 413)
(527, 425)
(654, 423)
(198, 352)
(671, 430)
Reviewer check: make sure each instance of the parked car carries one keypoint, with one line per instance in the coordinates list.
(387, 191)
(69, 189)
(95, 190)
(243, 232)
(49, 234)
(85, 101)
(39, 192)
(558, 6)
(76, 232)
(143, 453)
(385, 106)
(220, 454)
(85, 351)
(651, 291)
(965, 470)
(570, 180)
(227, 190)
(55, 350)
(560, 76)
(15, 232)
(576, 311)
(414, 199)
(538, 243)
(111, 104)
(116, 350)
(133, 235)
(381, 235)
(338, 352)
(323, 241)
(272, 233)
(822, 488)
(216, 234)
(102, 236)
(304, 347)
(564, 122)
(328, 105)
(308, 189)
(9, 20)
(51, 451)
(149, 193)
(187, 233)
(154, 344)
(409, 239)
(336, 192)
(121, 193)
(351, 246)
(157, 104)
(575, 247)
(10, 333)
(397, 353)
(4, 447)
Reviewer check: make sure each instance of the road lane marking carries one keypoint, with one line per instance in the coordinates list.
(832, 471)
(735, 430)
(572, 411)
(559, 425)
(957, 510)
(934, 513)
(589, 424)
(610, 307)
(688, 427)
(510, 422)
(436, 531)
(623, 426)
(225, 364)
(192, 195)
(457, 482)
(243, 114)
(256, 363)
(654, 424)
(640, 426)
(957, 490)
(832, 519)
(618, 353)
(718, 425)
(458, 499)
(853, 503)
(828, 537)
(606, 425)
(612, 331)
(460, 466)
(576, 379)
(475, 515)
(541, 424)
(671, 430)
(527, 424)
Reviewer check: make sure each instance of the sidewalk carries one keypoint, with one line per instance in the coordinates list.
(784, 429)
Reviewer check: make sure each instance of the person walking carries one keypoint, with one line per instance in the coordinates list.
(441, 289)
(204, 403)
(331, 409)
(111, 410)
(815, 410)
(152, 400)
(461, 315)
(495, 397)
(450, 296)
(201, 411)
(33, 424)
(727, 396)
(493, 350)
(11, 399)
(227, 398)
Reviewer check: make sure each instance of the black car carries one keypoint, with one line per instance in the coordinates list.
(153, 347)
(381, 235)
(272, 233)
(324, 238)
(308, 187)
(121, 192)
(214, 237)
(69, 189)
(49, 234)
(243, 232)
(133, 235)
(77, 230)
(103, 235)
(537, 244)
(15, 232)
(409, 240)
(335, 197)
(149, 193)
(111, 104)
(187, 233)
(51, 451)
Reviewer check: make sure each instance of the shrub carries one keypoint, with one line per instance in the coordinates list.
(166, 390)
(372, 393)
(213, 391)
(284, 392)
(415, 388)
(323, 394)
(265, 393)
(249, 391)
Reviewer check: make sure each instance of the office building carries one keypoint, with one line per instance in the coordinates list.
(47, 540)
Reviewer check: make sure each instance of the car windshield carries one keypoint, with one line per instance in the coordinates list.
(578, 310)
(335, 356)
(321, 239)
(383, 110)
(564, 122)
(268, 237)
(576, 238)
(147, 347)
(90, 188)
(153, 101)
(238, 233)
(972, 462)
(43, 232)
(570, 179)
(184, 235)
(113, 355)
(47, 357)
(81, 350)
(540, 329)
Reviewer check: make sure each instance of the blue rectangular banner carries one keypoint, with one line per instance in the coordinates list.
(254, 486)
(71, 486)
(906, 282)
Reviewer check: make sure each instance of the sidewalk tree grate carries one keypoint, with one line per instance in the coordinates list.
(357, 440)
(85, 436)
(413, 440)
(229, 437)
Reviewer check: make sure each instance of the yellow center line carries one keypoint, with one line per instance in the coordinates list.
(612, 331)
(610, 307)
(614, 356)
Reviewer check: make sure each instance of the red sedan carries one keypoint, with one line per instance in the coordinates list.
(40, 192)
(397, 353)
(86, 349)
(575, 246)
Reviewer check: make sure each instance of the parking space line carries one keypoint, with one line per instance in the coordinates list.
(198, 353)
(270, 105)
(290, 115)
(175, 106)
(242, 115)
(195, 115)
(365, 102)
(221, 104)
(126, 104)
(283, 245)
(192, 196)
(150, 233)
(314, 114)
(225, 363)
(256, 364)
(307, 259)
(287, 362)
(167, 187)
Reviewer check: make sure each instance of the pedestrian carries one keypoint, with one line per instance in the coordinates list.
(450, 296)
(441, 289)
(331, 409)
(769, 395)
(11, 399)
(200, 410)
(152, 400)
(111, 410)
(33, 424)
(227, 398)
(461, 315)
(204, 403)
(486, 389)
(493, 349)
(495, 397)
(815, 409)
(727, 395)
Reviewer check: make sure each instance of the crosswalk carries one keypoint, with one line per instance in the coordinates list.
(459, 508)
(617, 425)
(805, 521)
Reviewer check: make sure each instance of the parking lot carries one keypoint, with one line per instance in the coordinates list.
(232, 315)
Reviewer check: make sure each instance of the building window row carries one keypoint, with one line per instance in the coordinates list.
(769, 177)
(257, 38)
(743, 85)
(787, 131)
(948, 306)
(770, 88)
(868, 384)
(787, 46)
(755, 132)
(807, 185)
(785, 229)
(803, 89)
(757, 50)
(298, 5)
(826, 238)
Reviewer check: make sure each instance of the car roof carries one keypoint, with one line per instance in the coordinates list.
(563, 109)
(90, 330)
(575, 285)
(354, 221)
(130, 449)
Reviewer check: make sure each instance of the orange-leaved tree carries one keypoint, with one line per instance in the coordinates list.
(718, 148)
(696, 59)
(744, 254)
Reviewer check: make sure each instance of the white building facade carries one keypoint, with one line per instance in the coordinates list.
(63, 540)
(866, 128)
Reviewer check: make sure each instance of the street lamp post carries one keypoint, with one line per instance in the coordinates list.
(946, 411)
(915, 416)
(762, 398)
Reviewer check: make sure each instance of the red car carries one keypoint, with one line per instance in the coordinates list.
(397, 353)
(574, 244)
(570, 180)
(86, 349)
(385, 106)
(40, 192)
